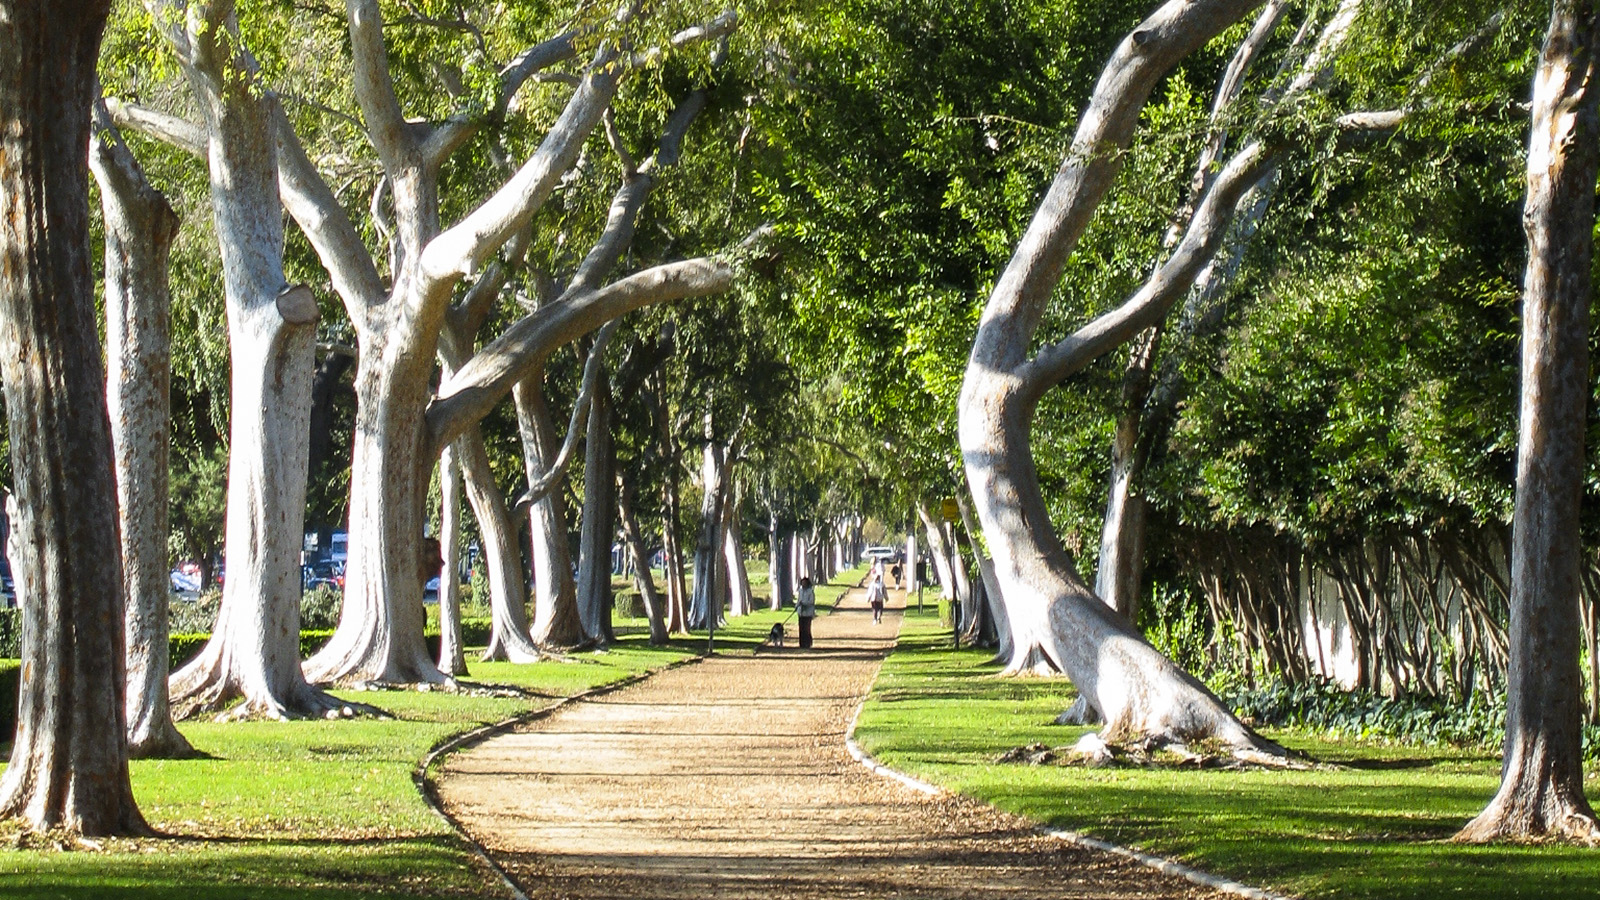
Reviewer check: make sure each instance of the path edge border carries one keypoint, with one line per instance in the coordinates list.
(1159, 863)
(454, 743)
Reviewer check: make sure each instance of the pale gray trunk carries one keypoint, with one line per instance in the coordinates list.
(140, 227)
(380, 634)
(69, 758)
(994, 607)
(452, 655)
(555, 597)
(939, 550)
(599, 522)
(1541, 787)
(502, 560)
(654, 609)
(1136, 689)
(254, 651)
(778, 564)
(739, 600)
(710, 576)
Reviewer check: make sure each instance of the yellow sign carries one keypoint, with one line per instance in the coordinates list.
(951, 511)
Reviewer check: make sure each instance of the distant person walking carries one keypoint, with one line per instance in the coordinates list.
(876, 595)
(805, 604)
(896, 571)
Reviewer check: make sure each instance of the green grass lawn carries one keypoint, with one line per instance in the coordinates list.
(328, 810)
(1375, 827)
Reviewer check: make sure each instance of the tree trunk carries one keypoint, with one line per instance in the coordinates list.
(654, 610)
(452, 655)
(254, 651)
(1134, 688)
(140, 226)
(778, 557)
(502, 559)
(555, 604)
(380, 634)
(69, 759)
(739, 602)
(938, 549)
(1121, 566)
(599, 522)
(1541, 777)
(710, 578)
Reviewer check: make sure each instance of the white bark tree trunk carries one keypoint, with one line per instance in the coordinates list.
(254, 651)
(69, 759)
(739, 600)
(938, 550)
(710, 576)
(140, 227)
(502, 559)
(1541, 785)
(1135, 689)
(452, 655)
(654, 603)
(555, 604)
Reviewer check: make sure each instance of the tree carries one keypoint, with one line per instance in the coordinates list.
(139, 226)
(69, 760)
(1136, 690)
(1541, 783)
(254, 650)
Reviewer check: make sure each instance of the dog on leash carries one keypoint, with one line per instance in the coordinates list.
(775, 636)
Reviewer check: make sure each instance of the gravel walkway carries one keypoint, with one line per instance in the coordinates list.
(729, 779)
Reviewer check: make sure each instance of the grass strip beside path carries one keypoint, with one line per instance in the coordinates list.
(328, 810)
(1375, 827)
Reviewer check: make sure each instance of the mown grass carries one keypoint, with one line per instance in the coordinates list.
(1375, 826)
(327, 810)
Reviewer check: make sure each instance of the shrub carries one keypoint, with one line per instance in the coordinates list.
(1324, 706)
(10, 634)
(319, 608)
(197, 616)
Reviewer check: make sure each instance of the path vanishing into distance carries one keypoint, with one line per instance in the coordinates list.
(729, 778)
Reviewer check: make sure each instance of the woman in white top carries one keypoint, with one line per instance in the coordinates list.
(876, 595)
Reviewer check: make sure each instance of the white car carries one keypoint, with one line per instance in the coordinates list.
(885, 554)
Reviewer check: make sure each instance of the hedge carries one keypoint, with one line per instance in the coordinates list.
(181, 648)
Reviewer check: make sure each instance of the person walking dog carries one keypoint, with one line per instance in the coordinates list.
(806, 605)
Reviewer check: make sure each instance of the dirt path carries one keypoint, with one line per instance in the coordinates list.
(729, 779)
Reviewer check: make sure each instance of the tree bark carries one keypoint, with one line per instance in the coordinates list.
(1135, 689)
(778, 559)
(739, 602)
(599, 519)
(254, 651)
(502, 559)
(452, 655)
(938, 549)
(710, 577)
(69, 759)
(1541, 777)
(555, 604)
(140, 226)
(654, 608)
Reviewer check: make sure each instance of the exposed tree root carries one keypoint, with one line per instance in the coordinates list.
(1079, 713)
(204, 688)
(1091, 751)
(1512, 818)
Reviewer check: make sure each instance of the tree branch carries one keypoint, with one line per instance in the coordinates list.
(175, 131)
(540, 485)
(386, 124)
(1172, 280)
(474, 390)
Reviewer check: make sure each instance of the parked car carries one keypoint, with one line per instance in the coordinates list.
(323, 573)
(883, 554)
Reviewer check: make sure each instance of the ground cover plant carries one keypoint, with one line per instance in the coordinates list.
(328, 809)
(1373, 823)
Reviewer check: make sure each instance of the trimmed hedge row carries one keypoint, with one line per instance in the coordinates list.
(181, 648)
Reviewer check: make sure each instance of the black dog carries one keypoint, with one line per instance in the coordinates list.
(775, 636)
